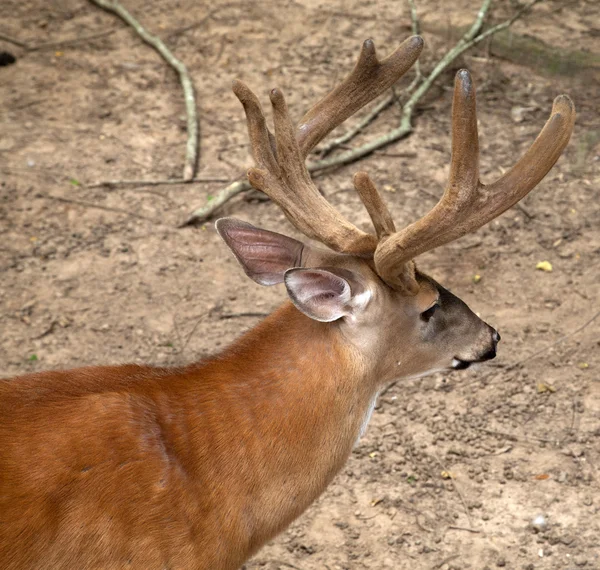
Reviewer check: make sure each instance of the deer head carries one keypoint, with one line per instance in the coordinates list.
(367, 285)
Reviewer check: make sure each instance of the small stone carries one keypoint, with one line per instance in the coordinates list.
(580, 560)
(567, 539)
(501, 563)
(539, 523)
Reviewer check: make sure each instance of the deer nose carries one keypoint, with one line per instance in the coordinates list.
(491, 353)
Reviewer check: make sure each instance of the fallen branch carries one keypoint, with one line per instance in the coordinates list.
(202, 214)
(165, 182)
(191, 154)
(471, 38)
(367, 120)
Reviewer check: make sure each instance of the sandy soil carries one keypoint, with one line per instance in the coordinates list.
(103, 275)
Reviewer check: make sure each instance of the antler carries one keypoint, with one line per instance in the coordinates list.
(467, 204)
(281, 172)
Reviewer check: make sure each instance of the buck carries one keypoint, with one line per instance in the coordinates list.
(113, 467)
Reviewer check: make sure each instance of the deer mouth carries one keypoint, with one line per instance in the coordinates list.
(458, 364)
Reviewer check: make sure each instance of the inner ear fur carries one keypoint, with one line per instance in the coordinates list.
(326, 293)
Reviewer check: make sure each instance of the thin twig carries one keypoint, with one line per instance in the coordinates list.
(182, 30)
(456, 488)
(243, 314)
(191, 154)
(553, 344)
(473, 530)
(98, 207)
(421, 526)
(198, 180)
(72, 41)
(13, 41)
(191, 334)
(546, 348)
(444, 561)
(287, 564)
(467, 41)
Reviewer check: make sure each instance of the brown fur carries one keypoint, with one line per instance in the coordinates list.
(196, 467)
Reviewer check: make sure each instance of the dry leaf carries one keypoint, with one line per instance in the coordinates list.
(544, 266)
(542, 387)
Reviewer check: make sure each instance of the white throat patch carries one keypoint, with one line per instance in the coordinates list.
(367, 418)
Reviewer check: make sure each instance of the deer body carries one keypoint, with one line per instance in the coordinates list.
(127, 466)
(195, 468)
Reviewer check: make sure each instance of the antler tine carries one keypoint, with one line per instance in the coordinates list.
(537, 161)
(369, 78)
(376, 208)
(261, 139)
(467, 204)
(464, 161)
(284, 178)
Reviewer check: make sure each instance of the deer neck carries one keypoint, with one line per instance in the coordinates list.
(294, 401)
(301, 376)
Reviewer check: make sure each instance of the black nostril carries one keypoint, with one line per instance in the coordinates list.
(491, 353)
(496, 336)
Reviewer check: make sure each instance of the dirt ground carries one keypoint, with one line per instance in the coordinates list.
(103, 275)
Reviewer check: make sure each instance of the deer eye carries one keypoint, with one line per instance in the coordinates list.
(426, 315)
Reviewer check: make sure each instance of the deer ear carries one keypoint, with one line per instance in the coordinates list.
(326, 294)
(265, 256)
